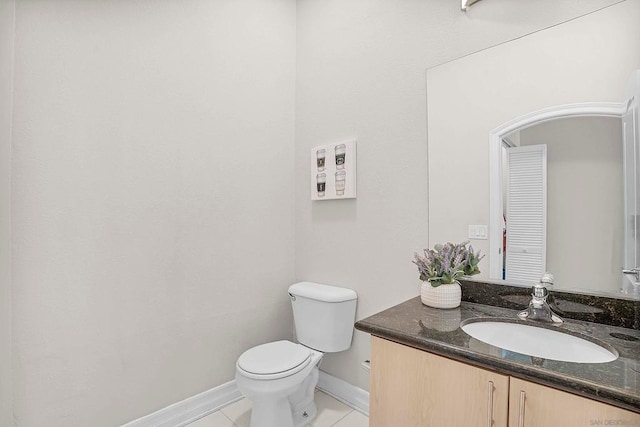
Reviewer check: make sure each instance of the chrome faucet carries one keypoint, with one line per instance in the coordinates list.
(539, 309)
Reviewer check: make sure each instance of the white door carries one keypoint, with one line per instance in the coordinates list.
(631, 164)
(526, 213)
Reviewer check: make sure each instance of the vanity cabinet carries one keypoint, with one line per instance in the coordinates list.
(536, 405)
(414, 388)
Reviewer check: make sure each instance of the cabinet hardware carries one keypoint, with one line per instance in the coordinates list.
(490, 405)
(521, 413)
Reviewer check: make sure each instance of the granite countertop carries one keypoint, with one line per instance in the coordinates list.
(438, 331)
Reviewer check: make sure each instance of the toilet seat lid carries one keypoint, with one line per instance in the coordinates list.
(274, 357)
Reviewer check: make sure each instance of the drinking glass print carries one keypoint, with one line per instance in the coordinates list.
(340, 182)
(320, 158)
(340, 155)
(321, 180)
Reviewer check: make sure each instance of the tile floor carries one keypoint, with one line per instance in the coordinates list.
(331, 413)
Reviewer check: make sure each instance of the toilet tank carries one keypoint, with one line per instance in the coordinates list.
(323, 315)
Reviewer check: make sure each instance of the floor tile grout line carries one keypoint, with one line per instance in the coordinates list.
(200, 417)
(343, 401)
(350, 411)
(227, 417)
(345, 415)
(360, 411)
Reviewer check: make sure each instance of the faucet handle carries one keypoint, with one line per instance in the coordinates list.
(540, 289)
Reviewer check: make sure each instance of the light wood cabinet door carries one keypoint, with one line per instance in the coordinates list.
(534, 405)
(413, 388)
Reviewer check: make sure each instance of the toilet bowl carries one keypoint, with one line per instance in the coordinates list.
(280, 377)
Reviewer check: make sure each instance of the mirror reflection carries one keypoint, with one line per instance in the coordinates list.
(581, 225)
(562, 202)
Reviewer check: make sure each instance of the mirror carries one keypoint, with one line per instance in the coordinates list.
(557, 69)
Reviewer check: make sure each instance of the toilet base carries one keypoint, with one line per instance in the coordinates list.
(305, 416)
(296, 409)
(279, 403)
(302, 401)
(271, 413)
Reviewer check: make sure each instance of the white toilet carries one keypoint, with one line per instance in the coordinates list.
(280, 377)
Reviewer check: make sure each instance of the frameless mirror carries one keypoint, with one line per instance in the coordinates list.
(527, 154)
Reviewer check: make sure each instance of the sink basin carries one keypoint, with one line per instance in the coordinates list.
(539, 342)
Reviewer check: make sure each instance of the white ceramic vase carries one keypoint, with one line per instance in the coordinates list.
(443, 296)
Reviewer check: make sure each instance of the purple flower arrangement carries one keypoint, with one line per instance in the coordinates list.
(444, 264)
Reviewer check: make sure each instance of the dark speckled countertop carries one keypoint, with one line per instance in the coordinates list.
(438, 331)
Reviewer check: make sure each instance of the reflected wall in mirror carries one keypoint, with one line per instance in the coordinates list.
(586, 60)
(561, 203)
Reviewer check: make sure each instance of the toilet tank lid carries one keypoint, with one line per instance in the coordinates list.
(320, 292)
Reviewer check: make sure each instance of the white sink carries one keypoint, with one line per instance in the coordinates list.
(539, 342)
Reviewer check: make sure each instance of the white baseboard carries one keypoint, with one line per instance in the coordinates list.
(187, 411)
(353, 396)
(192, 408)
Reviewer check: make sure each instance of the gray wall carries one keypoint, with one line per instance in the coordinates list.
(152, 200)
(584, 200)
(7, 8)
(361, 73)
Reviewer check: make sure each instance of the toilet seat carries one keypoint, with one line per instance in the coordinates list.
(274, 360)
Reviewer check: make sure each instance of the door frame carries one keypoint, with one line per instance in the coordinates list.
(585, 109)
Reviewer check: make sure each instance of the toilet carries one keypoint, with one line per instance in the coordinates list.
(280, 377)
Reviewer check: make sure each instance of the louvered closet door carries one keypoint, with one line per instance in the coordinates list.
(526, 213)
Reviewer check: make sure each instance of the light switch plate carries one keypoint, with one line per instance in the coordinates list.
(478, 232)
